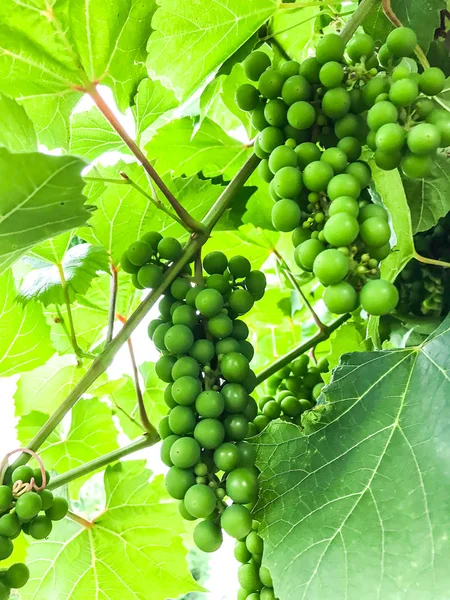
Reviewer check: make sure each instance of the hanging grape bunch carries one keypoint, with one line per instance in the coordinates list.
(25, 506)
(314, 119)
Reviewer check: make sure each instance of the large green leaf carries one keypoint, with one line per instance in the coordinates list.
(24, 334)
(16, 129)
(429, 198)
(133, 549)
(294, 30)
(79, 266)
(91, 434)
(182, 150)
(151, 102)
(368, 482)
(422, 16)
(194, 38)
(41, 196)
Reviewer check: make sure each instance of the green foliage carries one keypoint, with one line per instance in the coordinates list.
(152, 101)
(92, 559)
(365, 463)
(17, 132)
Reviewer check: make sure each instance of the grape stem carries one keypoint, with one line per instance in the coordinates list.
(390, 14)
(102, 461)
(105, 359)
(289, 275)
(298, 5)
(73, 335)
(361, 12)
(431, 261)
(80, 520)
(112, 302)
(301, 349)
(187, 220)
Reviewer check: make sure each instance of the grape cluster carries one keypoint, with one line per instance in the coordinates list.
(425, 289)
(149, 258)
(24, 506)
(314, 119)
(292, 391)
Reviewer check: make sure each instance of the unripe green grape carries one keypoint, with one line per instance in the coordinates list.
(301, 115)
(254, 543)
(200, 501)
(380, 114)
(340, 298)
(401, 41)
(275, 113)
(376, 86)
(336, 103)
(210, 404)
(241, 301)
(9, 525)
(28, 505)
(361, 171)
(159, 334)
(261, 422)
(6, 548)
(236, 521)
(241, 553)
(178, 481)
(234, 367)
(423, 139)
(270, 83)
(300, 235)
(331, 74)
(380, 253)
(128, 266)
(386, 160)
(180, 288)
(226, 457)
(164, 428)
(379, 297)
(184, 512)
(317, 390)
(239, 266)
(295, 89)
(343, 184)
(384, 55)
(58, 509)
(416, 166)
(423, 107)
(259, 152)
(236, 427)
(208, 536)
(209, 302)
(306, 253)
(240, 330)
(441, 120)
(345, 204)
(182, 420)
(255, 64)
(185, 452)
(267, 593)
(215, 262)
(165, 306)
(258, 119)
(247, 454)
(299, 366)
(178, 339)
(47, 498)
(17, 575)
(166, 447)
(186, 389)
(360, 45)
(220, 283)
(23, 473)
(272, 410)
(152, 238)
(282, 156)
(220, 326)
(310, 68)
(242, 485)
(331, 266)
(163, 368)
(306, 153)
(185, 315)
(235, 397)
(256, 282)
(349, 125)
(227, 345)
(375, 232)
(357, 105)
(432, 81)
(390, 137)
(372, 210)
(291, 406)
(337, 159)
(403, 92)
(139, 253)
(317, 175)
(247, 350)
(247, 97)
(403, 71)
(341, 229)
(248, 576)
(286, 215)
(40, 527)
(288, 183)
(289, 68)
(169, 248)
(209, 433)
(330, 47)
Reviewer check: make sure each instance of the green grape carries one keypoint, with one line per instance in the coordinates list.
(185, 452)
(221, 326)
(256, 282)
(47, 499)
(226, 457)
(261, 421)
(180, 288)
(4, 591)
(272, 410)
(270, 83)
(285, 215)
(441, 120)
(164, 428)
(299, 366)
(432, 81)
(343, 185)
(336, 103)
(241, 301)
(331, 266)
(17, 575)
(310, 68)
(186, 389)
(423, 139)
(401, 42)
(386, 160)
(210, 404)
(296, 89)
(289, 68)
(423, 107)
(255, 64)
(270, 138)
(374, 88)
(247, 350)
(153, 325)
(317, 175)
(185, 315)
(242, 485)
(259, 152)
(300, 235)
(159, 335)
(179, 339)
(58, 509)
(380, 114)
(235, 397)
(361, 171)
(236, 521)
(241, 552)
(340, 298)
(379, 297)
(184, 513)
(384, 55)
(208, 536)
(265, 576)
(139, 253)
(23, 473)
(150, 276)
(240, 330)
(247, 453)
(128, 266)
(267, 593)
(341, 229)
(349, 125)
(403, 92)
(330, 47)
(360, 45)
(345, 204)
(247, 97)
(291, 406)
(375, 232)
(209, 433)
(275, 113)
(227, 345)
(236, 427)
(301, 115)
(239, 267)
(215, 262)
(6, 548)
(357, 105)
(178, 481)
(337, 159)
(168, 399)
(390, 137)
(248, 576)
(373, 210)
(209, 302)
(182, 420)
(288, 183)
(306, 153)
(163, 367)
(165, 306)
(40, 527)
(282, 156)
(307, 252)
(380, 253)
(219, 283)
(169, 248)
(254, 543)
(28, 506)
(152, 238)
(331, 75)
(264, 171)
(317, 390)
(166, 447)
(403, 71)
(234, 367)
(9, 525)
(200, 501)
(415, 166)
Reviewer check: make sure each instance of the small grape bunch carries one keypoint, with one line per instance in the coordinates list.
(148, 259)
(25, 506)
(292, 391)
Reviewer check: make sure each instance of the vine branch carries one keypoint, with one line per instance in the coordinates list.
(431, 261)
(361, 12)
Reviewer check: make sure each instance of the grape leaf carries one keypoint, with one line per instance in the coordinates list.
(113, 559)
(423, 17)
(80, 265)
(259, 207)
(152, 101)
(193, 38)
(429, 198)
(16, 129)
(294, 30)
(181, 149)
(44, 388)
(348, 338)
(91, 135)
(443, 99)
(91, 434)
(46, 202)
(368, 479)
(53, 249)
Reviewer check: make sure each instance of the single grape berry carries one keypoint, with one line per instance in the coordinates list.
(301, 115)
(401, 42)
(295, 89)
(424, 138)
(337, 159)
(331, 74)
(307, 252)
(234, 367)
(242, 485)
(343, 184)
(310, 68)
(375, 232)
(215, 262)
(380, 114)
(341, 229)
(336, 103)
(247, 97)
(379, 297)
(28, 506)
(282, 156)
(416, 166)
(200, 501)
(255, 64)
(169, 248)
(139, 253)
(236, 521)
(209, 433)
(403, 92)
(286, 215)
(58, 509)
(275, 113)
(361, 171)
(270, 83)
(150, 276)
(360, 45)
(288, 183)
(185, 453)
(330, 47)
(17, 575)
(340, 298)
(208, 536)
(390, 137)
(345, 204)
(431, 81)
(40, 527)
(209, 302)
(317, 175)
(306, 153)
(331, 266)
